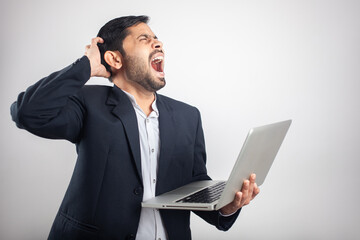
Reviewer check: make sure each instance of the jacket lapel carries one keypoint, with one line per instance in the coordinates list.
(167, 126)
(125, 112)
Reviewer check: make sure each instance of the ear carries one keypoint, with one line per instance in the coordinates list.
(114, 59)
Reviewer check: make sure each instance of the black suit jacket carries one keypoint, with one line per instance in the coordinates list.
(103, 200)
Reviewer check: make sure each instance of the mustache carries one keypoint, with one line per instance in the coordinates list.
(154, 52)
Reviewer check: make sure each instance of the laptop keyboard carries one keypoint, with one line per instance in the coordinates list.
(207, 195)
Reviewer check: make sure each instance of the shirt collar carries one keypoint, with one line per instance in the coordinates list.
(135, 105)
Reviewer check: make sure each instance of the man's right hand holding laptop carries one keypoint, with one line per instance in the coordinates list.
(248, 192)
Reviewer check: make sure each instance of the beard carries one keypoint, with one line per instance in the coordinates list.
(137, 71)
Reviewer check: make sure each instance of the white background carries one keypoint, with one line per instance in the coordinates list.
(243, 64)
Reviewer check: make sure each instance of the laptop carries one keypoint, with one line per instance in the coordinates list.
(256, 156)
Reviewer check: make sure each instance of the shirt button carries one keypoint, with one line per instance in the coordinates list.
(154, 180)
(147, 120)
(152, 150)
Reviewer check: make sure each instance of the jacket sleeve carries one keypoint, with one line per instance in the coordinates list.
(213, 217)
(50, 108)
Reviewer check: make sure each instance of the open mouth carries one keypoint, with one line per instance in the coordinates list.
(157, 64)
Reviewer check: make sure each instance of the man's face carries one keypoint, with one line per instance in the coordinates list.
(144, 58)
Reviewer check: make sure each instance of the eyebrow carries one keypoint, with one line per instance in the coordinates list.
(147, 36)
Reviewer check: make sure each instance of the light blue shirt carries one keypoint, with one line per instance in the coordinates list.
(150, 226)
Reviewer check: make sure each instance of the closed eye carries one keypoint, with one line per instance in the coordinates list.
(145, 37)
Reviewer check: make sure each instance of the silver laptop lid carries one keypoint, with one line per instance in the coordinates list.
(256, 156)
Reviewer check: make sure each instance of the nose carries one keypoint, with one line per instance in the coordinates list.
(157, 44)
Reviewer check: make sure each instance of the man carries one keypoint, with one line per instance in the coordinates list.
(132, 143)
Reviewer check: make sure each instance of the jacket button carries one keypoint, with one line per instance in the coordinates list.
(138, 190)
(130, 237)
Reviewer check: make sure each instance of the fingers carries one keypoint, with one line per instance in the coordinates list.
(255, 192)
(237, 200)
(93, 53)
(252, 183)
(96, 40)
(236, 204)
(87, 47)
(245, 193)
(233, 206)
(249, 190)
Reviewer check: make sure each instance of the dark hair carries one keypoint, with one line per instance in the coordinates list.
(114, 32)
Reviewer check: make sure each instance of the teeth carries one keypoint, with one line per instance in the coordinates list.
(158, 59)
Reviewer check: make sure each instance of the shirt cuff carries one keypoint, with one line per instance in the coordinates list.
(227, 215)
